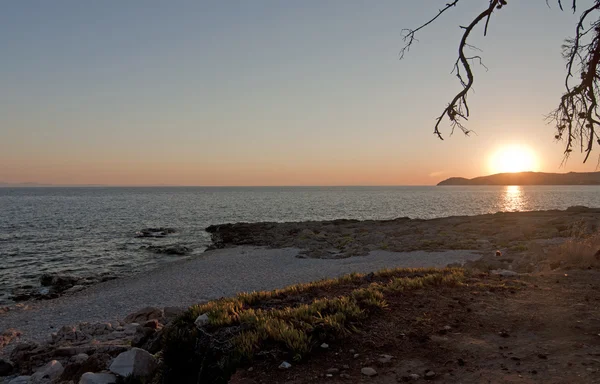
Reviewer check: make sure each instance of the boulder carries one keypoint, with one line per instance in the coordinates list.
(145, 314)
(48, 373)
(136, 362)
(95, 363)
(148, 338)
(96, 329)
(69, 334)
(97, 378)
(6, 367)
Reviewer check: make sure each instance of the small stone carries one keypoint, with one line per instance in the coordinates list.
(333, 370)
(345, 366)
(324, 345)
(414, 376)
(285, 365)
(250, 369)
(385, 359)
(503, 334)
(48, 372)
(344, 375)
(368, 371)
(329, 375)
(201, 320)
(97, 378)
(429, 375)
(356, 355)
(353, 351)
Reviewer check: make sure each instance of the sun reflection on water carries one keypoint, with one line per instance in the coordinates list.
(513, 198)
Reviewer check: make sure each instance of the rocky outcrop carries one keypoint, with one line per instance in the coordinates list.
(510, 232)
(55, 285)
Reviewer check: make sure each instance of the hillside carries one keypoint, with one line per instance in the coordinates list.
(529, 178)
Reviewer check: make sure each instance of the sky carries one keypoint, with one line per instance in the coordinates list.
(269, 92)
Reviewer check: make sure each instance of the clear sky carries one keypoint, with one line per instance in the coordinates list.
(267, 92)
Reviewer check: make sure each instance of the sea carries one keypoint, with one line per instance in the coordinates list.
(91, 231)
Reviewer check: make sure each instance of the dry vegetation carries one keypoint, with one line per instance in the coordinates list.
(289, 323)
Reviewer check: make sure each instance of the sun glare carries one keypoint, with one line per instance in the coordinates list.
(513, 159)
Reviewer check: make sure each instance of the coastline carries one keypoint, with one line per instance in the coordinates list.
(215, 274)
(265, 256)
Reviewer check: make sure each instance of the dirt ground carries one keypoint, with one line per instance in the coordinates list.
(543, 328)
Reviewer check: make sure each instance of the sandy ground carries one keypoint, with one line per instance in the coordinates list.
(213, 275)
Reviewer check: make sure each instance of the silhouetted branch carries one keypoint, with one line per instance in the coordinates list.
(577, 118)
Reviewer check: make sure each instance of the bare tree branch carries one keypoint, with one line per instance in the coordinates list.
(577, 118)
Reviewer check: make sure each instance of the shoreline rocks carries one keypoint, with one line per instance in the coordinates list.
(56, 285)
(87, 350)
(155, 232)
(174, 250)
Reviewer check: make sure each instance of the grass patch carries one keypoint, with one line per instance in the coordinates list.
(248, 325)
(579, 252)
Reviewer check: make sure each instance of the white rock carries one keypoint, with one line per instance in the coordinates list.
(368, 371)
(285, 365)
(414, 376)
(201, 320)
(20, 380)
(97, 378)
(136, 362)
(504, 272)
(324, 345)
(48, 372)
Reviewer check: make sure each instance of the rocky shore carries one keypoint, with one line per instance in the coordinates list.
(113, 329)
(520, 236)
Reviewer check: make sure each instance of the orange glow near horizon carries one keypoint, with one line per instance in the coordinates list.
(515, 158)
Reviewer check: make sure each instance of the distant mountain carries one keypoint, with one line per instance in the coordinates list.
(529, 178)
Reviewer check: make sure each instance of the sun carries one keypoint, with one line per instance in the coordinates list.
(514, 158)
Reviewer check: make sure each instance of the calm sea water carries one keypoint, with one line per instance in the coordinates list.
(89, 231)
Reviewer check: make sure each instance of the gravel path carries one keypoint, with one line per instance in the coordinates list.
(212, 275)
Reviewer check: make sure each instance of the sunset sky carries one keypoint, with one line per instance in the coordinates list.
(268, 92)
